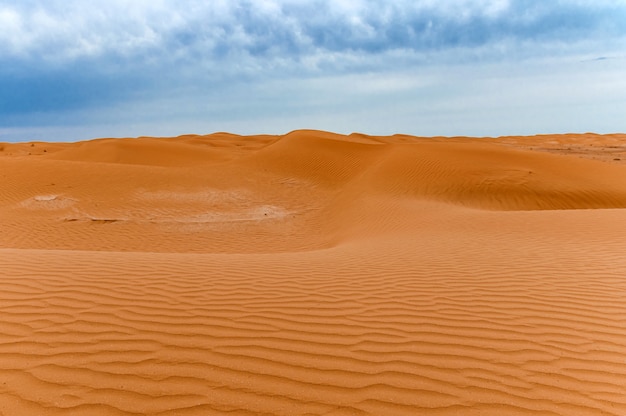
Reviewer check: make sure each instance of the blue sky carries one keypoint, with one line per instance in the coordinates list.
(76, 69)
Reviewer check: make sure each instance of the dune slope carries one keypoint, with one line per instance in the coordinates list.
(312, 273)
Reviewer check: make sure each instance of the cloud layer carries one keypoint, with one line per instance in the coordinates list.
(70, 55)
(146, 32)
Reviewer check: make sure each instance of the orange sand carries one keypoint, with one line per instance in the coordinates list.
(314, 274)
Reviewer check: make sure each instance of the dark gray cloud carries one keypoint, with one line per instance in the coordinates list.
(67, 56)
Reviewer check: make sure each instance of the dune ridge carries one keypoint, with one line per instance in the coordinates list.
(313, 273)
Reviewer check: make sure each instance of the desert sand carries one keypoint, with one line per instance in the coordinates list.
(314, 274)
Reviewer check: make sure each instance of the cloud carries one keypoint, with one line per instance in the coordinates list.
(66, 57)
(60, 32)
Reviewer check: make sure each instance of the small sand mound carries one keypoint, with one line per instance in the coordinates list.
(45, 197)
(47, 202)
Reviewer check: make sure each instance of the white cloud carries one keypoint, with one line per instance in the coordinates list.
(11, 23)
(68, 30)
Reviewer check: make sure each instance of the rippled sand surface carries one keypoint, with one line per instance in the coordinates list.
(314, 274)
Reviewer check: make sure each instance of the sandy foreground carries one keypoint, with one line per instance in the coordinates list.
(314, 274)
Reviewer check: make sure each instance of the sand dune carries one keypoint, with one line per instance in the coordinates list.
(313, 273)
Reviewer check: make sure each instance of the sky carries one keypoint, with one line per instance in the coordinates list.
(75, 69)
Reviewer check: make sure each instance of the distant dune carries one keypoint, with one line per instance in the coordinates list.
(314, 274)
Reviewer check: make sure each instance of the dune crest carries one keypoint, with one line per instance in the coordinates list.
(313, 274)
